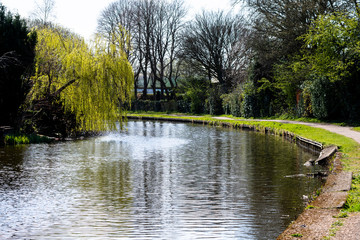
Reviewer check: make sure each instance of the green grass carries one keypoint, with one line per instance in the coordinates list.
(297, 235)
(356, 129)
(334, 228)
(342, 214)
(310, 207)
(353, 201)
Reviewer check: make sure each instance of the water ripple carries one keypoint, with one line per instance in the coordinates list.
(153, 181)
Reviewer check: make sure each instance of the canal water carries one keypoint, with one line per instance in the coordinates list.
(154, 180)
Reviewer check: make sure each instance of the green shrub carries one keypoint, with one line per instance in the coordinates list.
(320, 94)
(195, 92)
(197, 98)
(232, 102)
(184, 106)
(304, 105)
(16, 139)
(214, 102)
(156, 106)
(249, 104)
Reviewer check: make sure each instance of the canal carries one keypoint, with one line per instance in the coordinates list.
(154, 180)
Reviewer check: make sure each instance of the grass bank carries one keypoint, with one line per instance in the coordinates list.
(347, 146)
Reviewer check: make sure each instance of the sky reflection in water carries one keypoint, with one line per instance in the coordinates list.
(154, 180)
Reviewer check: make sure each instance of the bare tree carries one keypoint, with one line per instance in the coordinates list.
(164, 46)
(44, 11)
(217, 41)
(116, 16)
(154, 27)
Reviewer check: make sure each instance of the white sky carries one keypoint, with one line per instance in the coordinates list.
(81, 15)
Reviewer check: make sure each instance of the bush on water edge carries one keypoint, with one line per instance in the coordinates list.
(16, 139)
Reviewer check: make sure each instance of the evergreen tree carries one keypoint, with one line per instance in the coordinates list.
(17, 46)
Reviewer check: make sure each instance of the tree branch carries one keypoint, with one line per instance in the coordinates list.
(8, 59)
(57, 93)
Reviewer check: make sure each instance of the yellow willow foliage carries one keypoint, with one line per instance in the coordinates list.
(93, 83)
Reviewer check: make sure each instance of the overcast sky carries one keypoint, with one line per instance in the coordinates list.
(81, 15)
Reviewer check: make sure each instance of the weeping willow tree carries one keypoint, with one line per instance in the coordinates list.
(92, 85)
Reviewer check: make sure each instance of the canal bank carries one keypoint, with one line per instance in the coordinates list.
(323, 218)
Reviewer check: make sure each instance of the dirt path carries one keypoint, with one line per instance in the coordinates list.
(321, 223)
